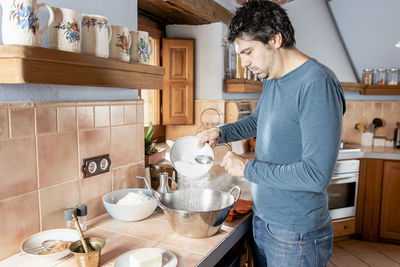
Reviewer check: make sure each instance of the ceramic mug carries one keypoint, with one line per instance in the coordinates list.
(20, 23)
(120, 43)
(142, 47)
(66, 32)
(96, 35)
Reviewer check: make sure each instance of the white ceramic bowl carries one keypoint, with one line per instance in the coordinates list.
(36, 240)
(185, 149)
(129, 213)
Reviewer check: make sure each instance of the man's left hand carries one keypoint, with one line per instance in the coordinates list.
(234, 164)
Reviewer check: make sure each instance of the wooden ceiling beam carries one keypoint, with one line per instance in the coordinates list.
(184, 11)
(279, 2)
(208, 10)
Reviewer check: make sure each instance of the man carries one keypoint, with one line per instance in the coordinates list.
(297, 123)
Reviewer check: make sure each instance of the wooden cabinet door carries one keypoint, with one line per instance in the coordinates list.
(178, 90)
(390, 206)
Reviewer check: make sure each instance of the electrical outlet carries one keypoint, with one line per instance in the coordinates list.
(96, 165)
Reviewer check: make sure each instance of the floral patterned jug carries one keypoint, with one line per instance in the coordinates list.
(20, 23)
(65, 34)
(141, 48)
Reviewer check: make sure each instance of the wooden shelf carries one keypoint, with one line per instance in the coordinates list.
(242, 86)
(352, 87)
(374, 89)
(26, 64)
(378, 89)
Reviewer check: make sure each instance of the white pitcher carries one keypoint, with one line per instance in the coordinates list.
(142, 47)
(120, 43)
(96, 35)
(65, 34)
(20, 23)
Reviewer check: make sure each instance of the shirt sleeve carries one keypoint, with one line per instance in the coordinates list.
(244, 128)
(320, 107)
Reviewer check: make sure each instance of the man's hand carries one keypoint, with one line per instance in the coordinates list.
(234, 164)
(211, 137)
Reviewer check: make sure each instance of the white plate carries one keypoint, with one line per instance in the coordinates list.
(36, 240)
(168, 258)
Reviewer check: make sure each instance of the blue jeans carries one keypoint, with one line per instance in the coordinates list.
(278, 247)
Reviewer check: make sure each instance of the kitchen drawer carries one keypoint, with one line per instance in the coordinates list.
(344, 227)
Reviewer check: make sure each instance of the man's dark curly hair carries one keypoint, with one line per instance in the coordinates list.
(260, 20)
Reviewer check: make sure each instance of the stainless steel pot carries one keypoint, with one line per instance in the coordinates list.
(197, 213)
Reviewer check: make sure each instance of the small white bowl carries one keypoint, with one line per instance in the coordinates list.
(36, 240)
(129, 213)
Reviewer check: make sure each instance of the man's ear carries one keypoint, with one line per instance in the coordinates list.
(276, 41)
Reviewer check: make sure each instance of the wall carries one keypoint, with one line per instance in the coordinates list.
(369, 30)
(316, 35)
(388, 111)
(42, 147)
(210, 59)
(123, 12)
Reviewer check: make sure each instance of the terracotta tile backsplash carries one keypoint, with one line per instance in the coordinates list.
(20, 219)
(4, 124)
(46, 120)
(42, 146)
(66, 119)
(18, 167)
(57, 158)
(22, 123)
(388, 111)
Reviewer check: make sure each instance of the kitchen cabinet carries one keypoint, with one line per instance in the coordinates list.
(373, 89)
(178, 94)
(242, 86)
(26, 64)
(390, 218)
(381, 206)
(344, 227)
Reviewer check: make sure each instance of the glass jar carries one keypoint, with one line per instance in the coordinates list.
(393, 76)
(380, 76)
(368, 76)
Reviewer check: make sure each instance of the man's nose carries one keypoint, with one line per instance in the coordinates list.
(245, 62)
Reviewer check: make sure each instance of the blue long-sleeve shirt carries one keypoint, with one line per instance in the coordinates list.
(298, 123)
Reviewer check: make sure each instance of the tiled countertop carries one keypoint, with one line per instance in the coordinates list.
(376, 152)
(155, 231)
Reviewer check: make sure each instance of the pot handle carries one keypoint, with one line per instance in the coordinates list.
(155, 194)
(238, 194)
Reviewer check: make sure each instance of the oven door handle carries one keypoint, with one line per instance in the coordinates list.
(344, 176)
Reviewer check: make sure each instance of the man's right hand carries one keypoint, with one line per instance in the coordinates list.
(211, 137)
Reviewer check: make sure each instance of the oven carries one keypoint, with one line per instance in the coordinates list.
(342, 191)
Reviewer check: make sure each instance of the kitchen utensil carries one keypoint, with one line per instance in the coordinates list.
(205, 122)
(91, 259)
(168, 258)
(396, 140)
(196, 213)
(120, 43)
(65, 34)
(47, 245)
(129, 213)
(141, 48)
(377, 122)
(37, 239)
(87, 248)
(96, 35)
(156, 169)
(203, 159)
(20, 23)
(186, 149)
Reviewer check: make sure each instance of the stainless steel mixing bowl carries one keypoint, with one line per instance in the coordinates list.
(197, 213)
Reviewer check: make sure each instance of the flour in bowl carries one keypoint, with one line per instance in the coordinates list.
(133, 198)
